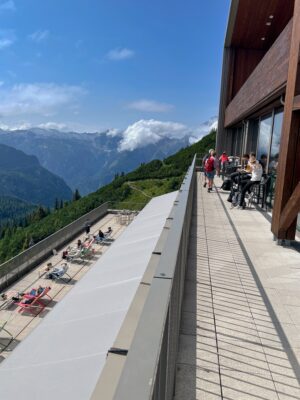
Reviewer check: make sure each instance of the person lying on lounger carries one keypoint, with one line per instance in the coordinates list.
(33, 292)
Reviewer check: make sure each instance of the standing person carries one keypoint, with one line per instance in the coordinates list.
(87, 227)
(203, 165)
(224, 160)
(211, 167)
(256, 175)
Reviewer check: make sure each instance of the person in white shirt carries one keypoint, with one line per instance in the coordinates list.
(256, 175)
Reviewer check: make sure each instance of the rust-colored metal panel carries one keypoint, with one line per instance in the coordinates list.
(288, 174)
(268, 77)
(291, 210)
(245, 61)
(251, 20)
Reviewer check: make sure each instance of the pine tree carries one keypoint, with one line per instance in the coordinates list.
(56, 204)
(76, 195)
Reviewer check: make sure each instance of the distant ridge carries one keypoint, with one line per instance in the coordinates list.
(87, 161)
(22, 177)
(150, 179)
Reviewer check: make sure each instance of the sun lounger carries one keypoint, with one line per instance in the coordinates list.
(73, 254)
(36, 305)
(59, 273)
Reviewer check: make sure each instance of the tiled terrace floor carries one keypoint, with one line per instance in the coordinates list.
(20, 325)
(240, 329)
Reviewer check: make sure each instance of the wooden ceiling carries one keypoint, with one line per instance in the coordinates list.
(249, 18)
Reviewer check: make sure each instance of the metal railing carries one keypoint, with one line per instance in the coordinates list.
(16, 267)
(150, 366)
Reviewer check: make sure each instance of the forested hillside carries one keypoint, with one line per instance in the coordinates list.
(13, 211)
(130, 191)
(22, 177)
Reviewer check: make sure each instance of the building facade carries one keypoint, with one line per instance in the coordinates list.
(260, 99)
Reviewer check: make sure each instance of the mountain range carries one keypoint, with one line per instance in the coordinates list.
(87, 161)
(128, 191)
(22, 177)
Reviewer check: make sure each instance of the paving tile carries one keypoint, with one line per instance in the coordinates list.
(241, 385)
(258, 344)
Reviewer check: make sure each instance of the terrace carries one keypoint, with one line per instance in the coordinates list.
(194, 300)
(21, 325)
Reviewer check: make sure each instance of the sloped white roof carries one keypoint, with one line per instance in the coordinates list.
(64, 356)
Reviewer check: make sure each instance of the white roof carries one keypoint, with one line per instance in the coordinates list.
(64, 356)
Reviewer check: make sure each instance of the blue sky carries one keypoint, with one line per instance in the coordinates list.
(95, 64)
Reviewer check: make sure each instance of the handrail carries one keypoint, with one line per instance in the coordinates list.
(17, 266)
(149, 370)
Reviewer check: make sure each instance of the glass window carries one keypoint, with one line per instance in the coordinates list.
(233, 139)
(238, 142)
(274, 153)
(264, 140)
(252, 135)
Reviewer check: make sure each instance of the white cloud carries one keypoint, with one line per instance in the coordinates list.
(27, 125)
(120, 54)
(113, 132)
(203, 129)
(37, 98)
(145, 132)
(8, 5)
(53, 125)
(150, 106)
(7, 38)
(39, 36)
(5, 43)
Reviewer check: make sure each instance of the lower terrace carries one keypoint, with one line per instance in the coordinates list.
(21, 325)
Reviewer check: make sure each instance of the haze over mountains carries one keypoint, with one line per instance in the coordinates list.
(89, 160)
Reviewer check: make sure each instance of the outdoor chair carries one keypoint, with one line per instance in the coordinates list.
(86, 252)
(73, 254)
(100, 240)
(259, 192)
(36, 306)
(60, 273)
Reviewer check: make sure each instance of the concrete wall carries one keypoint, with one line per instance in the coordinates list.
(16, 267)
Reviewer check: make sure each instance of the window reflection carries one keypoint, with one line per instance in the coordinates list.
(274, 153)
(264, 139)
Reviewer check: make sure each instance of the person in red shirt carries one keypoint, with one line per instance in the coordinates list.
(223, 161)
(211, 167)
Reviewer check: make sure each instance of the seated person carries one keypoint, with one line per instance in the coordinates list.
(109, 230)
(100, 237)
(256, 175)
(243, 173)
(273, 164)
(32, 295)
(263, 161)
(64, 254)
(57, 271)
